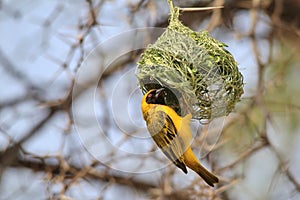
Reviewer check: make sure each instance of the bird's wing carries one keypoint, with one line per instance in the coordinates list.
(165, 135)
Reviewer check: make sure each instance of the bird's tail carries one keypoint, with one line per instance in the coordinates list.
(192, 162)
(207, 176)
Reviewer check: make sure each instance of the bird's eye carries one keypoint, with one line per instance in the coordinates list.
(150, 95)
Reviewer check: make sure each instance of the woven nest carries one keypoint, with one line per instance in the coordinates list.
(201, 76)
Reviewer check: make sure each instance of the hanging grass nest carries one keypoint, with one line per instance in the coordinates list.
(201, 76)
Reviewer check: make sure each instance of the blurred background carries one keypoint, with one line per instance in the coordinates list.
(70, 120)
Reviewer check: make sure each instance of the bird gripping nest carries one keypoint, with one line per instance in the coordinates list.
(201, 76)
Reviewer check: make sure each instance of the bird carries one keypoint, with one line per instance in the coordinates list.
(172, 134)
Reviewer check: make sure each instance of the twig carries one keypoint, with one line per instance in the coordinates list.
(243, 156)
(74, 172)
(200, 9)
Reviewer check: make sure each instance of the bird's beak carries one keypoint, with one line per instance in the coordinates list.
(159, 92)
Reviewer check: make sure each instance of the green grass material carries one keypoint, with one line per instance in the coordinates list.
(202, 75)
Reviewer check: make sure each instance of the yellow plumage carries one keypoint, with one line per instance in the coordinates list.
(172, 134)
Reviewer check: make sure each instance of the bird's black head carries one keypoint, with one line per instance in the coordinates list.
(156, 96)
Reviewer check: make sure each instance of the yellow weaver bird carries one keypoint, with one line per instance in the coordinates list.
(172, 134)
